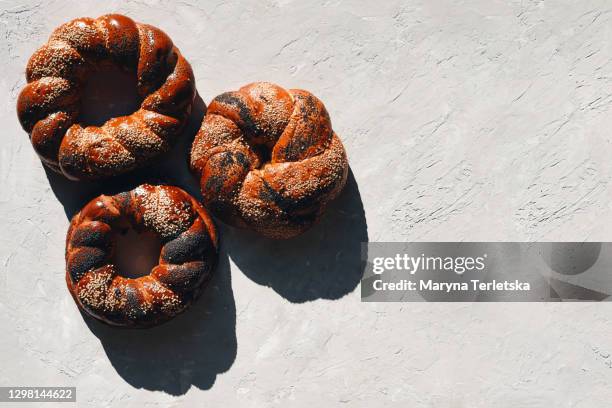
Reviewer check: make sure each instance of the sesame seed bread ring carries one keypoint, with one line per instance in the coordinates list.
(268, 159)
(48, 106)
(186, 262)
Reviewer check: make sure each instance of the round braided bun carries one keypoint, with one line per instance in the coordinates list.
(268, 159)
(48, 107)
(188, 255)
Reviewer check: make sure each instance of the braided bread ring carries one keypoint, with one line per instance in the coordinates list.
(48, 106)
(268, 159)
(186, 261)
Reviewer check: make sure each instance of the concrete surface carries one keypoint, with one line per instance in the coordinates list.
(463, 120)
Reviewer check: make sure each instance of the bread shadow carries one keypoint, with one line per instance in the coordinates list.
(191, 349)
(323, 263)
(172, 169)
(194, 347)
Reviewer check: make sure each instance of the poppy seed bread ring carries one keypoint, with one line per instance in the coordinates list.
(186, 262)
(48, 106)
(268, 159)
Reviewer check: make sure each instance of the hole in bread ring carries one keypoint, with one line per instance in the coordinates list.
(187, 255)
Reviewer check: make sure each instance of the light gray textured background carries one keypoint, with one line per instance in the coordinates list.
(463, 120)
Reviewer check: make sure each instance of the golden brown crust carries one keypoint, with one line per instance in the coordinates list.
(49, 104)
(186, 261)
(268, 159)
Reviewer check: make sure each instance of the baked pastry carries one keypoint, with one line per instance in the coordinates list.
(48, 106)
(186, 262)
(268, 159)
